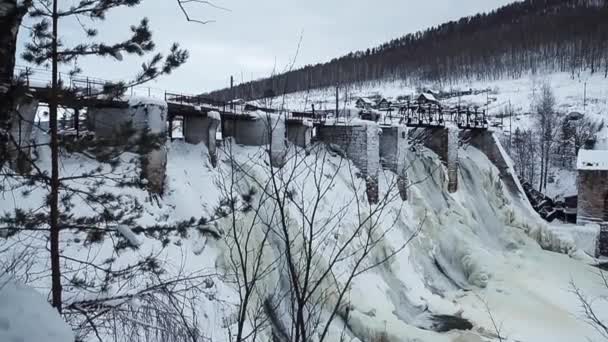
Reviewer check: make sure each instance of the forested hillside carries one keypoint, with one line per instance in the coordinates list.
(533, 35)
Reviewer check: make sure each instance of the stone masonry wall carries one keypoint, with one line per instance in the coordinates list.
(602, 241)
(361, 144)
(393, 147)
(444, 142)
(592, 196)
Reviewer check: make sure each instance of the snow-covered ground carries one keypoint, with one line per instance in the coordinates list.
(477, 245)
(25, 316)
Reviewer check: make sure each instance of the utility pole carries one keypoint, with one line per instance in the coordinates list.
(585, 99)
(510, 126)
(337, 99)
(232, 92)
(487, 101)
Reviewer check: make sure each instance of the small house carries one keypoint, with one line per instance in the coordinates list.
(364, 103)
(592, 182)
(427, 98)
(382, 103)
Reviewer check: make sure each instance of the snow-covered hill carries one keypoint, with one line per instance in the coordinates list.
(478, 255)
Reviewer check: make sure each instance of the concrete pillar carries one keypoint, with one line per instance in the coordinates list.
(452, 160)
(123, 125)
(214, 122)
(278, 148)
(602, 241)
(393, 149)
(299, 133)
(22, 122)
(203, 128)
(267, 129)
(154, 166)
(361, 144)
(444, 142)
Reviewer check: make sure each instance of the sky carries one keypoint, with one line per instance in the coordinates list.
(250, 39)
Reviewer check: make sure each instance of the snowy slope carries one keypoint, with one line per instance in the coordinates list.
(25, 316)
(477, 243)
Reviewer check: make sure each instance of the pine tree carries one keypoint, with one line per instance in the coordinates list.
(101, 286)
(46, 46)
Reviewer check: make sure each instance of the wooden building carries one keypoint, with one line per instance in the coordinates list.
(427, 98)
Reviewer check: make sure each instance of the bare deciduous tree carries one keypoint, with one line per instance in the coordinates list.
(548, 126)
(300, 235)
(590, 306)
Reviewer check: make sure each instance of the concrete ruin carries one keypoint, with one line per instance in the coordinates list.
(203, 128)
(444, 141)
(602, 241)
(486, 142)
(361, 144)
(393, 147)
(22, 122)
(141, 116)
(592, 184)
(299, 132)
(267, 129)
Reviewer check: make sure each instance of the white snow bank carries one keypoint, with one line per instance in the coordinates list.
(26, 317)
(135, 101)
(583, 237)
(214, 115)
(128, 234)
(592, 160)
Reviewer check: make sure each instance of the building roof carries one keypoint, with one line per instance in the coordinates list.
(365, 100)
(592, 160)
(428, 97)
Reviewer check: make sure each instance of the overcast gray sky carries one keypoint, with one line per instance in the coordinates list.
(253, 36)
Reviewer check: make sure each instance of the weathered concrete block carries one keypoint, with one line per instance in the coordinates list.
(435, 139)
(278, 147)
(444, 142)
(361, 144)
(154, 169)
(202, 128)
(486, 142)
(299, 133)
(143, 116)
(266, 129)
(452, 162)
(393, 149)
(592, 204)
(602, 241)
(22, 122)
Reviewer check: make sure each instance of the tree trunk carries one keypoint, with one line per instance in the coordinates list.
(10, 19)
(54, 195)
(542, 167)
(11, 14)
